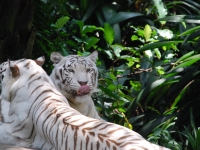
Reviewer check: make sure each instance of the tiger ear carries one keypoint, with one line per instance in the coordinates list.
(14, 69)
(40, 61)
(93, 56)
(56, 57)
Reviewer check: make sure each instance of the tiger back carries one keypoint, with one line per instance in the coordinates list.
(40, 118)
(76, 77)
(4, 103)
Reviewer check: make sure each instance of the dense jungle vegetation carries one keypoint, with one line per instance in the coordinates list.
(149, 54)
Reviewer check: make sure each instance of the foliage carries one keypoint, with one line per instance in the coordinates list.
(148, 58)
(192, 135)
(162, 136)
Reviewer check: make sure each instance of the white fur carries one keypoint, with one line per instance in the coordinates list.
(84, 104)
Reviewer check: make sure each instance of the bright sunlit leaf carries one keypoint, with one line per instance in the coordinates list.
(108, 33)
(160, 70)
(147, 32)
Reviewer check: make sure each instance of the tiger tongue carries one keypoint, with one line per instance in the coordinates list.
(84, 89)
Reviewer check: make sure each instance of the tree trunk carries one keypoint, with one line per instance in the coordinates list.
(17, 35)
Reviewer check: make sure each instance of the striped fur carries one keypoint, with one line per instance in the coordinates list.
(4, 103)
(39, 117)
(70, 74)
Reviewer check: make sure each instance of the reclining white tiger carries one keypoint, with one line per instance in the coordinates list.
(76, 78)
(40, 118)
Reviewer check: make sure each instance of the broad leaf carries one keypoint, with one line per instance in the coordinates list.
(61, 22)
(91, 41)
(108, 33)
(121, 16)
(147, 32)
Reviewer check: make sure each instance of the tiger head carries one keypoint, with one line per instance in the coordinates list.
(75, 76)
(9, 73)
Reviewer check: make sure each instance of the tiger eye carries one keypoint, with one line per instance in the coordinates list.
(88, 70)
(70, 70)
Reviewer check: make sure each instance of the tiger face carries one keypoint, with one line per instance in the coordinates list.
(75, 76)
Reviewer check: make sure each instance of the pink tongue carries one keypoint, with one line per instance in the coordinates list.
(84, 89)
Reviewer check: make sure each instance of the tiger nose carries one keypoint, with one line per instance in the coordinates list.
(82, 82)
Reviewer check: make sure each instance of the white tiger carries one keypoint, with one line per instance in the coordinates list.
(39, 117)
(76, 78)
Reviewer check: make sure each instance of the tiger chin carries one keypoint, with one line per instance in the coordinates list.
(76, 77)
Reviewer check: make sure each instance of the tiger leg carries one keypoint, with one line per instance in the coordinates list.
(5, 107)
(6, 137)
(5, 134)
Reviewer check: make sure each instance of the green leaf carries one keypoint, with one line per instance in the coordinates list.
(135, 118)
(87, 29)
(158, 54)
(187, 63)
(131, 60)
(147, 32)
(108, 33)
(112, 76)
(122, 109)
(136, 85)
(185, 56)
(91, 41)
(192, 57)
(140, 32)
(121, 16)
(178, 98)
(158, 44)
(112, 87)
(192, 30)
(61, 22)
(160, 70)
(134, 37)
(80, 24)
